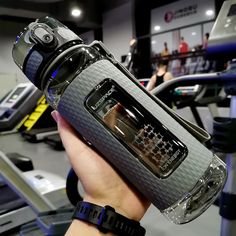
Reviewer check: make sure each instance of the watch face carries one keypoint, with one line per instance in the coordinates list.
(136, 128)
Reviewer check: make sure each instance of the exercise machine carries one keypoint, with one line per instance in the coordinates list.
(39, 123)
(220, 139)
(54, 141)
(17, 104)
(24, 194)
(222, 45)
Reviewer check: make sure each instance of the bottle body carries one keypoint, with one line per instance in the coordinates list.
(132, 129)
(176, 178)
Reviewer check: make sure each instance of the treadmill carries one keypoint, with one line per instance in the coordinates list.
(14, 209)
(17, 104)
(54, 141)
(221, 46)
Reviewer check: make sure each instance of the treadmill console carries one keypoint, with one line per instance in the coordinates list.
(17, 104)
(222, 40)
(16, 95)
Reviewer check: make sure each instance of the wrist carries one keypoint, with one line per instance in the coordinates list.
(78, 227)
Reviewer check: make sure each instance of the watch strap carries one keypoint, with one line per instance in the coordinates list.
(107, 220)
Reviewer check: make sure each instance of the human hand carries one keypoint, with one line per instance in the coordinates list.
(102, 184)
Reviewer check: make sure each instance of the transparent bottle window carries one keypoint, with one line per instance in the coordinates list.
(148, 139)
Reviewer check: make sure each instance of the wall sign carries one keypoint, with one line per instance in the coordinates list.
(181, 13)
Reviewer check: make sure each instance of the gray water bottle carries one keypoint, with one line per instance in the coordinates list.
(133, 130)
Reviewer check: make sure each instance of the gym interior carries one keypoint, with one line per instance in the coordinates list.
(148, 85)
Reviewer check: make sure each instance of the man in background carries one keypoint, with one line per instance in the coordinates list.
(183, 49)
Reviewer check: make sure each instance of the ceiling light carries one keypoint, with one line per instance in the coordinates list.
(209, 12)
(76, 12)
(157, 27)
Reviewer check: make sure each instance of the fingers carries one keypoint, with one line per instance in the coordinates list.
(73, 145)
(80, 155)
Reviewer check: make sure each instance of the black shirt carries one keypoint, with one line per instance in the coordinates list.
(159, 79)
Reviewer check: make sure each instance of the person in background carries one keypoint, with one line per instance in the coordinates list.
(161, 75)
(205, 41)
(165, 51)
(183, 48)
(207, 64)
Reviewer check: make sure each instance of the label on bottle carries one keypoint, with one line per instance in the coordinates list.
(136, 128)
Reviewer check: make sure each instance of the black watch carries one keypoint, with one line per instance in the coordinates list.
(107, 220)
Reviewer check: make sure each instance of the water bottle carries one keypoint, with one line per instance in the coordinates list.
(132, 129)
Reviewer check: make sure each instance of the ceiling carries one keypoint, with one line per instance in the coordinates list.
(26, 10)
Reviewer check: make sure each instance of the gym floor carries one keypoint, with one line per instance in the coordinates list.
(44, 158)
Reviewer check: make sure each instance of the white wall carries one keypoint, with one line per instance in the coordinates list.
(118, 30)
(10, 74)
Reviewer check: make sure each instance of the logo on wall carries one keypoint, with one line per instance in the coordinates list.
(169, 16)
(180, 13)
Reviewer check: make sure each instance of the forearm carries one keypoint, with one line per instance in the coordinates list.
(80, 228)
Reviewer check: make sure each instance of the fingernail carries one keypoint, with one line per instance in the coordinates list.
(54, 115)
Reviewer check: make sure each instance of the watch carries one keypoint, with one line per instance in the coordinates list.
(107, 220)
